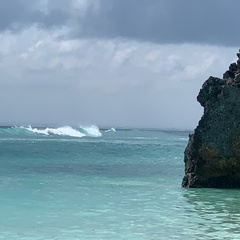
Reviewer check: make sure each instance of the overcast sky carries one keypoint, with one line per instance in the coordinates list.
(115, 63)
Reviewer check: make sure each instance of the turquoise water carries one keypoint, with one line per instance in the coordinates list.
(85, 183)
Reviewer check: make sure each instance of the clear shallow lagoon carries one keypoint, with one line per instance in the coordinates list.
(121, 185)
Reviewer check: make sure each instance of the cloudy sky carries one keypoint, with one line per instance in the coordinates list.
(116, 63)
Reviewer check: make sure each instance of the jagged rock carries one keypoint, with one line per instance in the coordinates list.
(233, 67)
(212, 156)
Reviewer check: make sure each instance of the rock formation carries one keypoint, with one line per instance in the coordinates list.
(212, 156)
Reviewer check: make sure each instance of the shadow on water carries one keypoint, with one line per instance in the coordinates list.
(213, 213)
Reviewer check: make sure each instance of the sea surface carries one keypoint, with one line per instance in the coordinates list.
(85, 183)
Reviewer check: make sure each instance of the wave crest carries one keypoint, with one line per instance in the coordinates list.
(111, 130)
(91, 131)
(62, 131)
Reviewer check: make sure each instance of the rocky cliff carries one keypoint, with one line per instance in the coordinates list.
(212, 156)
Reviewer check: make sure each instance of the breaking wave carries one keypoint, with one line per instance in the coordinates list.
(62, 131)
(91, 131)
(111, 130)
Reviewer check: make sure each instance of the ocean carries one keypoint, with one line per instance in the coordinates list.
(85, 183)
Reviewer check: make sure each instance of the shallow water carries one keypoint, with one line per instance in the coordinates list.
(121, 185)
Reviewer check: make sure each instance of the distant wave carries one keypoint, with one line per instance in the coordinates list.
(111, 130)
(62, 131)
(183, 139)
(91, 131)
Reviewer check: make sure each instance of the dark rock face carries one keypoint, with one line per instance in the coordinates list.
(212, 156)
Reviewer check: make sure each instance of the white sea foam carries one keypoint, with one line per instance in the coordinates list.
(62, 131)
(183, 139)
(111, 130)
(92, 131)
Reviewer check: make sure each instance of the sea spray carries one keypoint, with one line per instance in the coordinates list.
(111, 130)
(92, 131)
(62, 131)
(65, 131)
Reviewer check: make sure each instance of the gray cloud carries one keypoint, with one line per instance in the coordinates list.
(163, 21)
(17, 15)
(12, 12)
(55, 18)
(158, 21)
